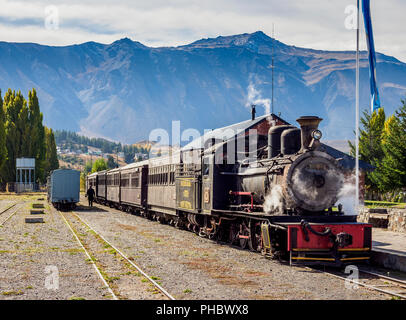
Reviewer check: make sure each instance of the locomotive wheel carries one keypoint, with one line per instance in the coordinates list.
(244, 241)
(254, 241)
(244, 234)
(233, 234)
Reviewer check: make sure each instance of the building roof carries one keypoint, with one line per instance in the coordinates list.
(347, 161)
(229, 132)
(225, 133)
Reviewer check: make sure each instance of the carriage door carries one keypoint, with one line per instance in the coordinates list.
(207, 181)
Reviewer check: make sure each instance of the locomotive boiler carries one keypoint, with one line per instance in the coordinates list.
(296, 177)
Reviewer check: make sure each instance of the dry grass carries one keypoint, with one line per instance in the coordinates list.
(225, 275)
(127, 227)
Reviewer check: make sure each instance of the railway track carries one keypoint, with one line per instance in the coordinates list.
(8, 208)
(153, 282)
(13, 210)
(371, 280)
(125, 257)
(88, 255)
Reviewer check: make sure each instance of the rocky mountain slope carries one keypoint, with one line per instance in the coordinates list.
(124, 90)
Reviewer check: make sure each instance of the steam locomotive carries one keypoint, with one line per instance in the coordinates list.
(277, 194)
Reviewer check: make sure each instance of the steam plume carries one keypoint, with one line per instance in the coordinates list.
(255, 97)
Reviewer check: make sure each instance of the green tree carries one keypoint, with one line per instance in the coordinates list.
(25, 136)
(37, 148)
(51, 155)
(3, 149)
(110, 162)
(99, 165)
(392, 170)
(15, 112)
(370, 145)
(88, 168)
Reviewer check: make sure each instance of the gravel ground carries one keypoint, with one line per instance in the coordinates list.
(29, 254)
(187, 266)
(125, 281)
(190, 267)
(5, 204)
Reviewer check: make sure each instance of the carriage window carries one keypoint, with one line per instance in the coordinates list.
(206, 168)
(125, 180)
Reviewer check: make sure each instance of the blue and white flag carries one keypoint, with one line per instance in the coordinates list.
(375, 102)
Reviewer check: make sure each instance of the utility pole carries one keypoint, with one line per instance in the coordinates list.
(116, 157)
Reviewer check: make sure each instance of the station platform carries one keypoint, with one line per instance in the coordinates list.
(389, 249)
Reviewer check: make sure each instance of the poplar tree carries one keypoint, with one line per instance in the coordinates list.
(24, 136)
(15, 111)
(51, 156)
(37, 146)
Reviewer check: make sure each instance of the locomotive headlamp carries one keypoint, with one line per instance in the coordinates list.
(316, 134)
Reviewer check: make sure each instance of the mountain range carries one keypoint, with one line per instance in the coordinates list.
(124, 90)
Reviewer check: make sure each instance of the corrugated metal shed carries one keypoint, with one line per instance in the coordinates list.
(224, 134)
(229, 132)
(347, 161)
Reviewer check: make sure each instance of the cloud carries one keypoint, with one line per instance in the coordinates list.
(311, 23)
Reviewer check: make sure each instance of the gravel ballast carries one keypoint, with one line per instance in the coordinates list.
(184, 264)
(191, 267)
(43, 260)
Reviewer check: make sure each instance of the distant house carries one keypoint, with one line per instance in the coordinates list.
(139, 155)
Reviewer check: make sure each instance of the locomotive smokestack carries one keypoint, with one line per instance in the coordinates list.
(253, 112)
(308, 125)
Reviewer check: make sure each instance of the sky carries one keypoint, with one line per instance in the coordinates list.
(317, 24)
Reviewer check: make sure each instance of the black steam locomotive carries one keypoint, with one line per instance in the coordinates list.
(276, 195)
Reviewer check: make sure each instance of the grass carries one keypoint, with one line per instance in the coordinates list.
(111, 279)
(112, 251)
(187, 291)
(383, 204)
(73, 251)
(12, 293)
(77, 298)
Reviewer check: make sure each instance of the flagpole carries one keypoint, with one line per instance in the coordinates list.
(357, 117)
(273, 66)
